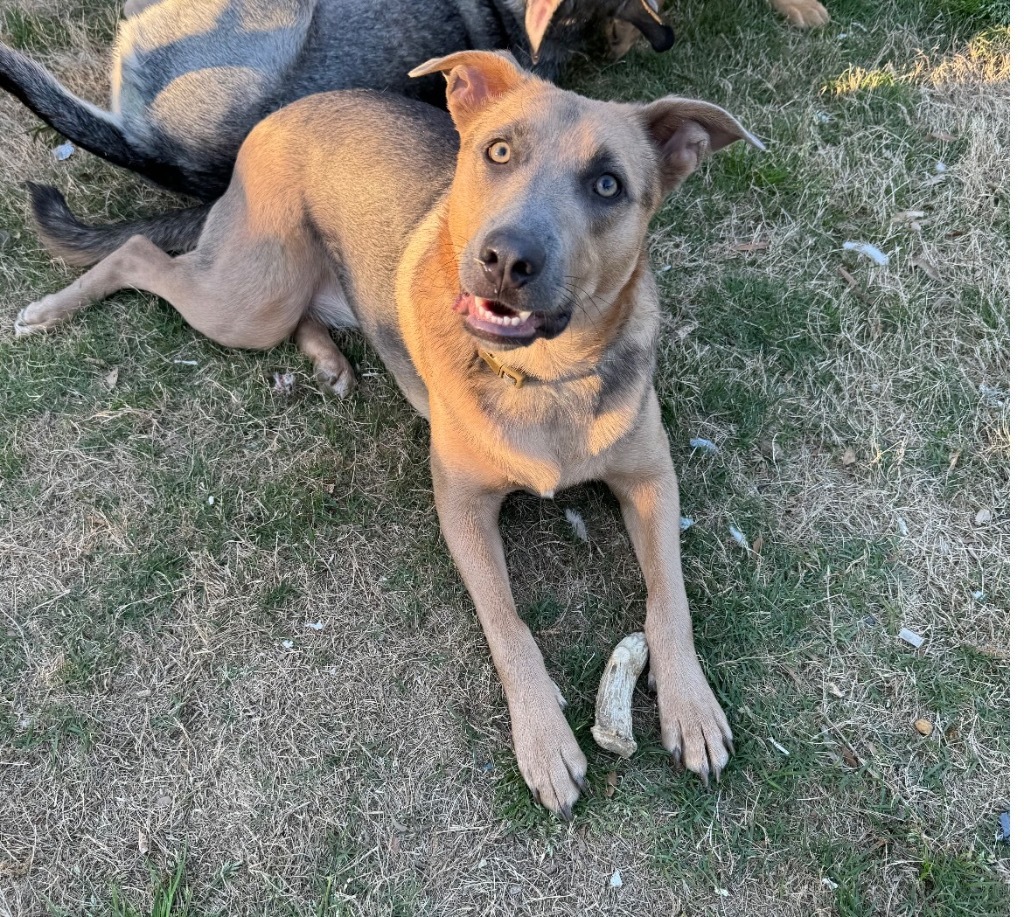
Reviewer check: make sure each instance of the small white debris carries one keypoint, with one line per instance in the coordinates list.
(722, 892)
(738, 536)
(978, 595)
(868, 251)
(685, 522)
(915, 640)
(187, 362)
(843, 35)
(705, 444)
(284, 383)
(143, 842)
(994, 397)
(983, 517)
(315, 625)
(902, 526)
(579, 527)
(210, 499)
(110, 379)
(822, 117)
(64, 151)
(288, 644)
(616, 880)
(664, 268)
(828, 883)
(779, 747)
(940, 166)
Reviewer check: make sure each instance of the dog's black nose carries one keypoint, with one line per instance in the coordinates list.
(510, 260)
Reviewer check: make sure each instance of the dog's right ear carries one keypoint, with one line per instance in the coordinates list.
(475, 80)
(685, 131)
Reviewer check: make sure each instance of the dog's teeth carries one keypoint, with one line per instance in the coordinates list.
(523, 316)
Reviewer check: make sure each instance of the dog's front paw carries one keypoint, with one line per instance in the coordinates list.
(548, 755)
(694, 729)
(804, 14)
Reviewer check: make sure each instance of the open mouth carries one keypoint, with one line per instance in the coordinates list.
(493, 320)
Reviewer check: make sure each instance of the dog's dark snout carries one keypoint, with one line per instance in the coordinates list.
(510, 260)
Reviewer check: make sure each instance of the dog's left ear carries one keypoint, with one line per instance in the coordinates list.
(685, 132)
(538, 17)
(475, 79)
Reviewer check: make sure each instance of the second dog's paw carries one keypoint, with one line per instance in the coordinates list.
(25, 324)
(804, 14)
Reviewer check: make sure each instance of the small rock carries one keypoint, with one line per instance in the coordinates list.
(908, 636)
(1004, 827)
(616, 880)
(983, 517)
(705, 444)
(923, 726)
(164, 802)
(849, 456)
(111, 378)
(143, 842)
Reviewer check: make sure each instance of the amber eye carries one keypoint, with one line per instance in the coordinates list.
(499, 152)
(607, 185)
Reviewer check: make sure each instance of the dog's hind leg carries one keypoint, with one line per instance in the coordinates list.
(332, 371)
(236, 294)
(113, 273)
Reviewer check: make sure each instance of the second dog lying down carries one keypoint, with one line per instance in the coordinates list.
(501, 273)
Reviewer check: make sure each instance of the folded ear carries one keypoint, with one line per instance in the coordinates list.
(685, 132)
(475, 79)
(538, 18)
(643, 14)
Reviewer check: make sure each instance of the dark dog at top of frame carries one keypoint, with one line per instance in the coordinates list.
(190, 78)
(500, 271)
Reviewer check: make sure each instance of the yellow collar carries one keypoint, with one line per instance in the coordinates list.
(501, 370)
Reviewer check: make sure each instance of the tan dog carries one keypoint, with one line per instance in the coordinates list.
(504, 282)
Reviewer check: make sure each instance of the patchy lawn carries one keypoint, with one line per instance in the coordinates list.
(173, 730)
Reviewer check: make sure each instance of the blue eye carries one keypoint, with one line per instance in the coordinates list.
(607, 185)
(499, 152)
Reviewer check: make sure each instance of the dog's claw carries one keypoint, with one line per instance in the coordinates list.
(565, 812)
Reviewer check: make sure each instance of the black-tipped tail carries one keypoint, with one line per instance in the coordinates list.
(81, 244)
(93, 129)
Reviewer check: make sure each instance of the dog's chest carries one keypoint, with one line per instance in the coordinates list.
(545, 442)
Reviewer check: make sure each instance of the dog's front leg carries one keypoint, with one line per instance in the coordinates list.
(546, 749)
(693, 727)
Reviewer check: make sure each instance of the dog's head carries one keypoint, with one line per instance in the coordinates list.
(621, 21)
(553, 193)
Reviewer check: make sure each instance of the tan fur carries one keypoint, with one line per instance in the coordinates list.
(267, 266)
